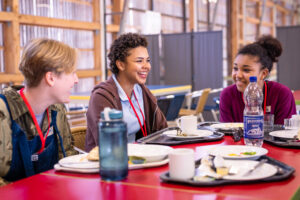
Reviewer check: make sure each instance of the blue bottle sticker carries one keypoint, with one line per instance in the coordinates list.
(253, 127)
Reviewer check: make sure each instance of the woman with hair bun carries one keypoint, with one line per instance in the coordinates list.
(256, 59)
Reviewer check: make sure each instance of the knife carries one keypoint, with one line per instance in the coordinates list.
(261, 162)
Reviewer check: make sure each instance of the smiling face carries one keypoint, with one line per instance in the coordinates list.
(245, 66)
(136, 67)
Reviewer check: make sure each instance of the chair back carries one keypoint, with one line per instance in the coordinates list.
(164, 103)
(76, 118)
(174, 107)
(202, 100)
(78, 134)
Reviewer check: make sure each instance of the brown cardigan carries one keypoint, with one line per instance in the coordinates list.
(106, 94)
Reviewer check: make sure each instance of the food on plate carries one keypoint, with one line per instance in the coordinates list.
(228, 125)
(220, 166)
(136, 160)
(180, 133)
(213, 167)
(94, 154)
(246, 153)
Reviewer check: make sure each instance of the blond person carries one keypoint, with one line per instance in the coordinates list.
(34, 132)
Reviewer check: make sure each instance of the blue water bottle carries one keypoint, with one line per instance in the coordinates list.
(253, 114)
(113, 145)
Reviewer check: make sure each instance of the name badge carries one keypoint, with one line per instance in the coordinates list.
(34, 157)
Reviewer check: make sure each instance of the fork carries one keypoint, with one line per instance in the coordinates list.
(261, 162)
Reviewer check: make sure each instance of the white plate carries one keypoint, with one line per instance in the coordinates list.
(227, 126)
(79, 161)
(288, 134)
(67, 169)
(152, 153)
(96, 170)
(150, 164)
(196, 134)
(264, 171)
(235, 151)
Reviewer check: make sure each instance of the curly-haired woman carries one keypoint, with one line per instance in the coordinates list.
(256, 59)
(125, 90)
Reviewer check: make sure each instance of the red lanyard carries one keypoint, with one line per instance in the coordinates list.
(43, 139)
(144, 130)
(265, 98)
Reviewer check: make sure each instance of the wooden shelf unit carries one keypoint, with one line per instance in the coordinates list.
(12, 20)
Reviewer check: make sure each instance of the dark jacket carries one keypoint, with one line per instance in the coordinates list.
(106, 94)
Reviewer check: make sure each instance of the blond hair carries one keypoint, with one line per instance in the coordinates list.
(43, 55)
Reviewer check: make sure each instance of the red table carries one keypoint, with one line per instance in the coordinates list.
(297, 97)
(145, 183)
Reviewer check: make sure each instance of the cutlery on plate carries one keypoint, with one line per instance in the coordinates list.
(261, 162)
(79, 150)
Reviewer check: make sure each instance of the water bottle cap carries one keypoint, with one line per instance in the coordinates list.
(253, 79)
(112, 114)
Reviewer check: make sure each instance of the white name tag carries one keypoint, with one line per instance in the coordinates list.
(34, 157)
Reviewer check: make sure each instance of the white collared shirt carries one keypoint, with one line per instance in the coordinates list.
(129, 116)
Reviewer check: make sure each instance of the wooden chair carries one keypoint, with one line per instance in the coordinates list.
(77, 118)
(203, 95)
(78, 134)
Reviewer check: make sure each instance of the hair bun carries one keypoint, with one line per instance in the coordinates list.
(271, 45)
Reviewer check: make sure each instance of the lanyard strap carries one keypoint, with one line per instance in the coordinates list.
(144, 130)
(43, 139)
(265, 98)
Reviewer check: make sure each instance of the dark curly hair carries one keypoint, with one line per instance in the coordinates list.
(266, 48)
(120, 48)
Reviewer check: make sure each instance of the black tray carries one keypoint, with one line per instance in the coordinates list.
(285, 172)
(281, 142)
(159, 138)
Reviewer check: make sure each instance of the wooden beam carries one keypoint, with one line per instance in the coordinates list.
(253, 20)
(11, 78)
(11, 38)
(112, 28)
(117, 7)
(58, 23)
(97, 37)
(7, 16)
(192, 21)
(88, 73)
(234, 30)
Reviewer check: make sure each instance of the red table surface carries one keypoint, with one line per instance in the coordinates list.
(297, 95)
(146, 184)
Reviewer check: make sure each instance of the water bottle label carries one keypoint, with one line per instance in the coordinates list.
(253, 127)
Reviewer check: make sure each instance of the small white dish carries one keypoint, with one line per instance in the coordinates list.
(191, 135)
(287, 134)
(152, 153)
(238, 152)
